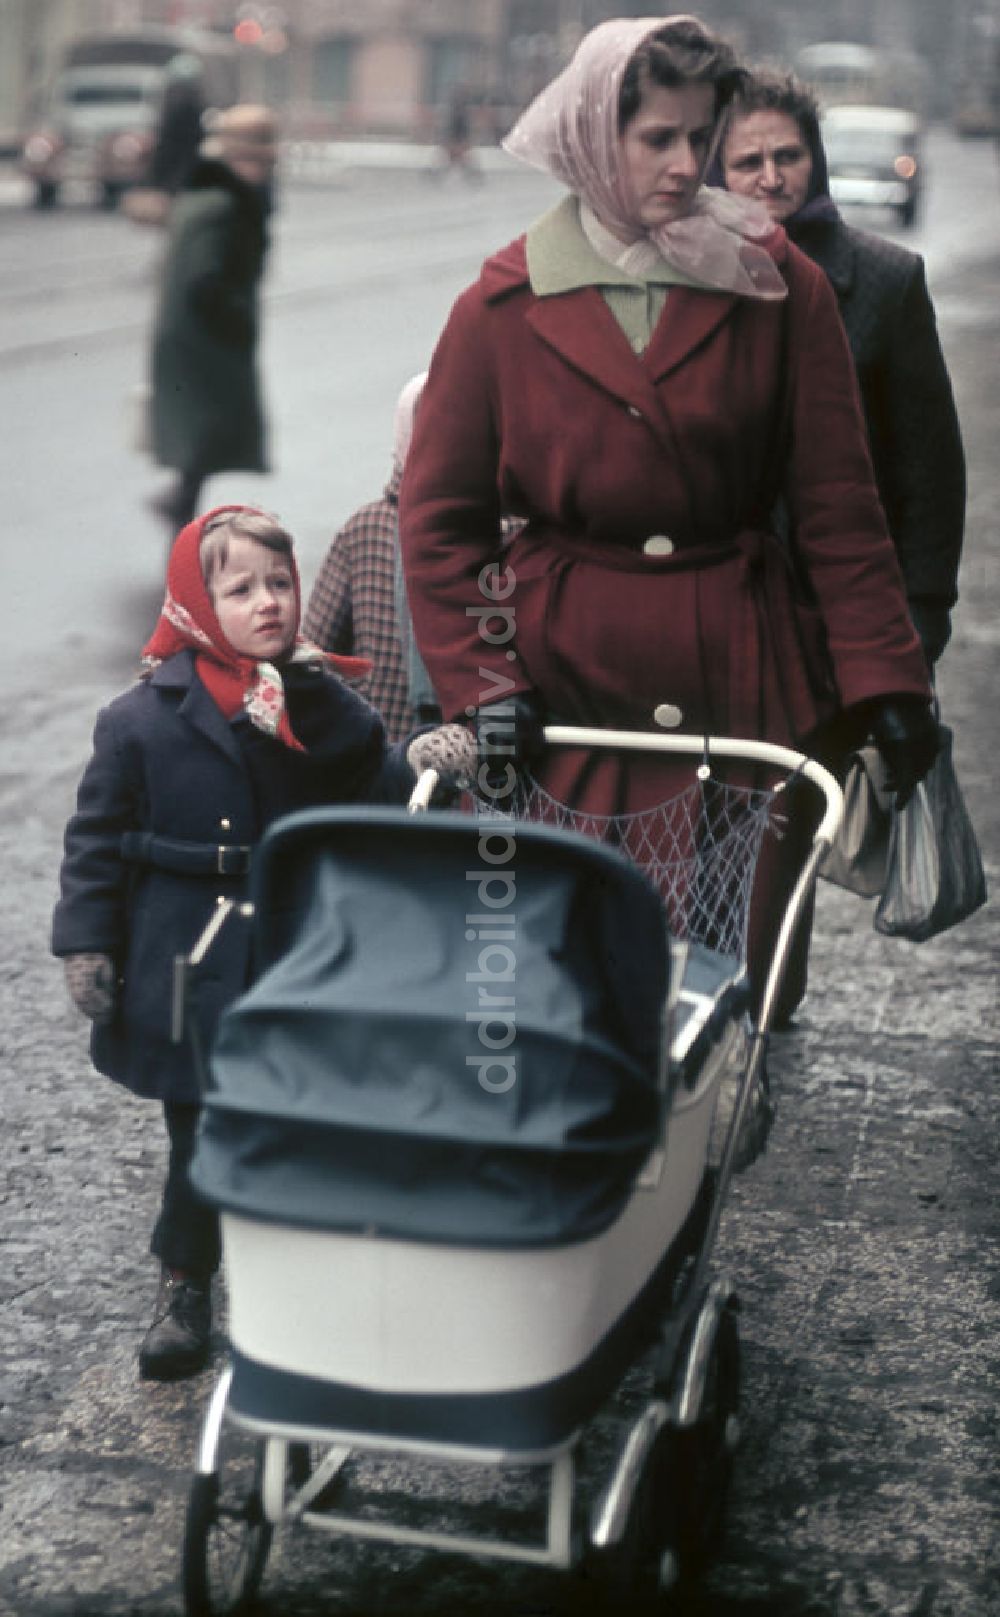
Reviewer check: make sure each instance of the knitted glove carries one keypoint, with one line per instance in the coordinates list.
(509, 734)
(450, 749)
(90, 979)
(906, 734)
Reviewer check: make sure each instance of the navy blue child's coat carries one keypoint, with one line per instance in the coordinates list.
(167, 761)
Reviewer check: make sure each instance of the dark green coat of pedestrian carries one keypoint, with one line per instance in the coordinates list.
(207, 413)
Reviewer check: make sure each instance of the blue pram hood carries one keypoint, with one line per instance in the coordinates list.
(454, 1035)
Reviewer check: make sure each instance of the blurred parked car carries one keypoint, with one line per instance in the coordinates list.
(97, 118)
(98, 128)
(874, 158)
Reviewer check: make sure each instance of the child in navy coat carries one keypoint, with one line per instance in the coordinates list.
(235, 721)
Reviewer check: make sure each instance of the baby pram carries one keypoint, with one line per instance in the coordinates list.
(463, 1135)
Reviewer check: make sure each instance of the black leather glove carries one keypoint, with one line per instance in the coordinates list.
(509, 736)
(906, 734)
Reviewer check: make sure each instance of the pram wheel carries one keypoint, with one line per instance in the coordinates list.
(227, 1537)
(678, 1511)
(702, 1454)
(629, 1576)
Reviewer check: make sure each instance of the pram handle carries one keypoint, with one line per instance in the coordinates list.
(765, 752)
(762, 752)
(423, 791)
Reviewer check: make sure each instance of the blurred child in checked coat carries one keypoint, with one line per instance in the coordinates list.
(358, 603)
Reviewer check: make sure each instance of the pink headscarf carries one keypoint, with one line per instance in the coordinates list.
(571, 131)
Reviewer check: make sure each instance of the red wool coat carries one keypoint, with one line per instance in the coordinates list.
(539, 408)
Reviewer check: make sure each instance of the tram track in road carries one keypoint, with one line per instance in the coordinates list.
(28, 274)
(333, 290)
(76, 279)
(336, 285)
(98, 288)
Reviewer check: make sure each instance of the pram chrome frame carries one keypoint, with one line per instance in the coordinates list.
(689, 1338)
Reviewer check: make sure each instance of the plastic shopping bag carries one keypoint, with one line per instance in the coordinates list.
(935, 876)
(859, 857)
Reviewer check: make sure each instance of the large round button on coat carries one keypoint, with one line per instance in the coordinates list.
(658, 545)
(667, 715)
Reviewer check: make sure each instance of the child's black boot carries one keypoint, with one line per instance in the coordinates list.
(179, 1339)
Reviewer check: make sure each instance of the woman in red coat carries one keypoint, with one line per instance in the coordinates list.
(640, 377)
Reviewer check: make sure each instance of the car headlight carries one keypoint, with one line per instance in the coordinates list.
(39, 148)
(126, 148)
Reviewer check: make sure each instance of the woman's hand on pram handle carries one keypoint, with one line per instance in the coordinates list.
(450, 751)
(905, 731)
(90, 979)
(510, 734)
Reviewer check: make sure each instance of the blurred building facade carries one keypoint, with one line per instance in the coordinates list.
(389, 67)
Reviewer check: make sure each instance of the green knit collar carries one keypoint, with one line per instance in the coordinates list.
(561, 259)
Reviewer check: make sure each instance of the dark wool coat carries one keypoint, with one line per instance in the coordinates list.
(165, 760)
(913, 429)
(539, 407)
(206, 406)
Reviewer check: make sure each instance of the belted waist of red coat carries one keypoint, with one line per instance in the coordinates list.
(782, 628)
(629, 557)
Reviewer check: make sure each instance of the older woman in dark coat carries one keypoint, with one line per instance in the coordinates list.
(773, 153)
(207, 414)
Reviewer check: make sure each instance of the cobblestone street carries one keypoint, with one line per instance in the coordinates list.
(865, 1245)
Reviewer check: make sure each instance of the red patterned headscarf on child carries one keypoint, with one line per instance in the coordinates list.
(236, 683)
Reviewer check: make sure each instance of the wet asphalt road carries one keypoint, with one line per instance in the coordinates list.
(865, 1245)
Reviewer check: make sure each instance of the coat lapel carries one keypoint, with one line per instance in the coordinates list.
(580, 327)
(200, 711)
(689, 319)
(197, 708)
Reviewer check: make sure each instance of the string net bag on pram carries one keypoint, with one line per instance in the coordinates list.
(698, 848)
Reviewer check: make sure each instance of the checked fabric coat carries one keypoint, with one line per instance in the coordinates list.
(352, 607)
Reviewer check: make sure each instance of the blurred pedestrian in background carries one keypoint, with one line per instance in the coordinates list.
(179, 130)
(454, 152)
(773, 153)
(206, 410)
(235, 721)
(357, 604)
(640, 376)
(176, 144)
